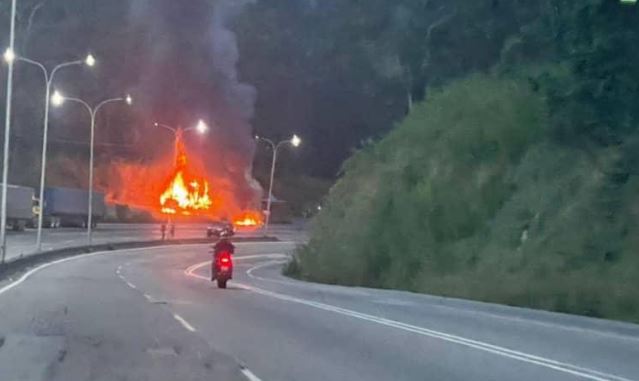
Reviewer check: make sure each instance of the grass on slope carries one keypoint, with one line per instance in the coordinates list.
(471, 197)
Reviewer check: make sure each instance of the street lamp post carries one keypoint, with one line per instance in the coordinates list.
(295, 141)
(200, 127)
(48, 79)
(57, 99)
(7, 134)
(178, 132)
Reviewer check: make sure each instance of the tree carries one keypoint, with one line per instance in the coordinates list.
(602, 102)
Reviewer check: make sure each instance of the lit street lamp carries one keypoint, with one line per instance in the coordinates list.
(58, 99)
(10, 56)
(295, 141)
(7, 135)
(200, 128)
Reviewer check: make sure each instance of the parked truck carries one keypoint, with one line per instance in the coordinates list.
(19, 206)
(70, 207)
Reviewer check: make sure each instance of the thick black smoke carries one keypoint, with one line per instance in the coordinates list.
(189, 56)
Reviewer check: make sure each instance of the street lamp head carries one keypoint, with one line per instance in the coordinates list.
(57, 99)
(296, 141)
(9, 55)
(201, 127)
(128, 100)
(90, 60)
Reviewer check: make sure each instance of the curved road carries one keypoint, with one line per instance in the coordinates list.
(151, 314)
(20, 244)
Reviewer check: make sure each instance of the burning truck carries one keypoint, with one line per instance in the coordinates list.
(181, 190)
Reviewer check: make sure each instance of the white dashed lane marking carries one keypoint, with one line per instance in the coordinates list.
(567, 368)
(184, 323)
(249, 375)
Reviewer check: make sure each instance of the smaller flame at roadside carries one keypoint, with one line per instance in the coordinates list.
(248, 219)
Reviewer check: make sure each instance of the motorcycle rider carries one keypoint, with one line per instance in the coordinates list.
(224, 245)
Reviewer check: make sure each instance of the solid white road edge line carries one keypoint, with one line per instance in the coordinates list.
(190, 271)
(43, 266)
(184, 323)
(479, 345)
(249, 375)
(246, 372)
(575, 370)
(249, 272)
(451, 308)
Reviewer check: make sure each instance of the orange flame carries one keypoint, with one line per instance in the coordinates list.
(185, 196)
(183, 187)
(184, 193)
(248, 219)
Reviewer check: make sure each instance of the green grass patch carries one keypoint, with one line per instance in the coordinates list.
(471, 197)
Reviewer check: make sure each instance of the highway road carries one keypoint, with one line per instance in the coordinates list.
(23, 243)
(152, 314)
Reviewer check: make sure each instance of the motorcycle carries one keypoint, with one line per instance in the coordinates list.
(222, 268)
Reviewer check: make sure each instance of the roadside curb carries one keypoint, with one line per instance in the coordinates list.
(22, 263)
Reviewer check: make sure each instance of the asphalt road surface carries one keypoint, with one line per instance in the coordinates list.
(152, 314)
(23, 243)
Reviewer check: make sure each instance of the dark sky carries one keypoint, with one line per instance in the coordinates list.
(190, 73)
(181, 62)
(178, 62)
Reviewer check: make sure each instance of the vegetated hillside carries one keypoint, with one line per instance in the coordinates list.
(476, 195)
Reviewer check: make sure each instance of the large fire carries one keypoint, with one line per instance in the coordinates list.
(185, 193)
(185, 196)
(183, 187)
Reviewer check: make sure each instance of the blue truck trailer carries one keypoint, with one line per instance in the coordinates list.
(70, 207)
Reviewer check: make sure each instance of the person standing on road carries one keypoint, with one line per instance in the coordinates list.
(163, 230)
(172, 231)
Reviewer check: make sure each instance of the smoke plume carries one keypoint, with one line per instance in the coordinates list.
(189, 56)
